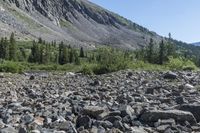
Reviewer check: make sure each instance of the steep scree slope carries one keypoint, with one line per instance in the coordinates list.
(79, 22)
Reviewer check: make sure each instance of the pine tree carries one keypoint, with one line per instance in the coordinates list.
(47, 54)
(2, 48)
(82, 55)
(161, 52)
(42, 54)
(6, 48)
(76, 59)
(60, 55)
(35, 53)
(150, 51)
(40, 40)
(171, 50)
(12, 48)
(64, 56)
(71, 55)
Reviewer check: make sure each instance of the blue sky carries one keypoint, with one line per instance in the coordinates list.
(180, 17)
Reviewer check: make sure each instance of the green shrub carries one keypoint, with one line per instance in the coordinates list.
(87, 70)
(13, 67)
(180, 64)
(110, 60)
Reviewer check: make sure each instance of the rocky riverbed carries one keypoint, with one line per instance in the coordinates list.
(121, 102)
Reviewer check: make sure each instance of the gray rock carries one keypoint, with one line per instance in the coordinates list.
(126, 110)
(193, 108)
(138, 130)
(177, 115)
(65, 126)
(180, 100)
(27, 119)
(84, 121)
(23, 130)
(162, 128)
(112, 119)
(8, 129)
(93, 111)
(32, 77)
(170, 75)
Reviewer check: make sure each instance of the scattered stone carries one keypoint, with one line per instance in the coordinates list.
(93, 111)
(112, 103)
(8, 129)
(170, 75)
(84, 121)
(126, 110)
(27, 119)
(32, 77)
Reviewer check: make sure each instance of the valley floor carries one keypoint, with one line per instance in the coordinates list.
(125, 101)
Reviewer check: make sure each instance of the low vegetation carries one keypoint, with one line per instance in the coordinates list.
(17, 57)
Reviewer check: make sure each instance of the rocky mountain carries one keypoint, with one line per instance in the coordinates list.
(78, 22)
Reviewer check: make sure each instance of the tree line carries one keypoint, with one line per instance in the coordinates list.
(105, 59)
(157, 53)
(41, 52)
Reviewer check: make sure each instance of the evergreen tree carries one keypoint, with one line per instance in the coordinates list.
(71, 55)
(2, 50)
(64, 56)
(42, 54)
(150, 51)
(35, 53)
(82, 55)
(40, 40)
(12, 48)
(171, 50)
(47, 55)
(76, 59)
(161, 52)
(61, 51)
(6, 48)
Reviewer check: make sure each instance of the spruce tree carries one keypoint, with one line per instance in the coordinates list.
(60, 55)
(64, 56)
(82, 55)
(161, 52)
(35, 53)
(2, 48)
(76, 59)
(12, 48)
(6, 48)
(150, 51)
(42, 54)
(71, 55)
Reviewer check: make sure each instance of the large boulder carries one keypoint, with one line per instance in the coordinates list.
(178, 115)
(170, 75)
(93, 111)
(193, 108)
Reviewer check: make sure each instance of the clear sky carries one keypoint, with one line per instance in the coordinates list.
(180, 17)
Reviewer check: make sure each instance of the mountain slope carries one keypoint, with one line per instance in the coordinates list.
(196, 43)
(78, 22)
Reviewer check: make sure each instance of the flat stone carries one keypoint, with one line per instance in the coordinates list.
(177, 115)
(170, 75)
(8, 130)
(193, 108)
(93, 111)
